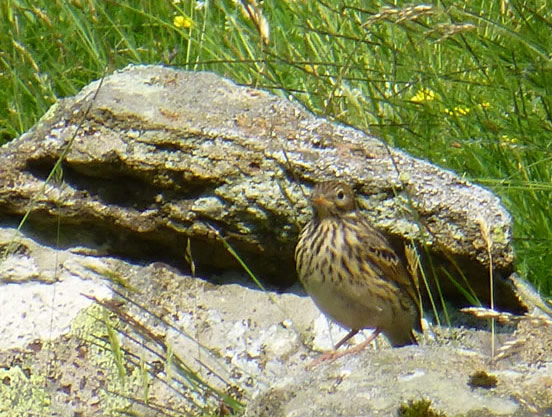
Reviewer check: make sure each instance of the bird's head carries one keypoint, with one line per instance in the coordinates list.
(332, 199)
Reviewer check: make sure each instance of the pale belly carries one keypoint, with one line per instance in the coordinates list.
(335, 301)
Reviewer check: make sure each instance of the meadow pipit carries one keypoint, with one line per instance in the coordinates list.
(352, 273)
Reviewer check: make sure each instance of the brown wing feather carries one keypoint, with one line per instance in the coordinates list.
(378, 250)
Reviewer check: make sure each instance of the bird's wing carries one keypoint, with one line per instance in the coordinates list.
(376, 248)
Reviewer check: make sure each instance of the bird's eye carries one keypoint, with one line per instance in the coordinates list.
(340, 195)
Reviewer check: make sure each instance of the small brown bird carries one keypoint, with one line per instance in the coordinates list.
(352, 273)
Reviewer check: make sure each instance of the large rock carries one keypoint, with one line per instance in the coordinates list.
(64, 354)
(153, 157)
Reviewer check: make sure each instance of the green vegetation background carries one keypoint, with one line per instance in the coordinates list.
(466, 85)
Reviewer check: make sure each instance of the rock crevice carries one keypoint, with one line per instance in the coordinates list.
(162, 155)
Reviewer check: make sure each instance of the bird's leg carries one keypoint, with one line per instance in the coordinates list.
(347, 337)
(360, 347)
(333, 355)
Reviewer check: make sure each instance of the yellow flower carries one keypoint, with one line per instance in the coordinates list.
(506, 138)
(182, 22)
(423, 95)
(312, 69)
(457, 111)
(462, 111)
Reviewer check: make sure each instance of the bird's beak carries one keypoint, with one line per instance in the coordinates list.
(319, 201)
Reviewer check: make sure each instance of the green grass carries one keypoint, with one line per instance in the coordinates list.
(465, 85)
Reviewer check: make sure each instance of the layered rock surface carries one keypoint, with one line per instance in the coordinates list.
(153, 157)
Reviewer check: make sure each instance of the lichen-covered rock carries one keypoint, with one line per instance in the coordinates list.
(91, 335)
(154, 156)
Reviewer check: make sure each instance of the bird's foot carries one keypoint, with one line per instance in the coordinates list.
(334, 354)
(325, 357)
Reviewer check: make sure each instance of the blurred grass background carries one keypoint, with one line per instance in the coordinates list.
(466, 85)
